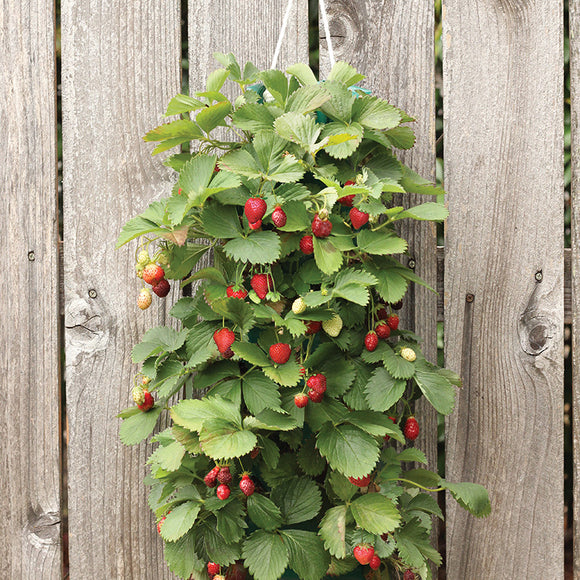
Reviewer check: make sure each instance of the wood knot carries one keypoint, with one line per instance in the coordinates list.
(535, 331)
(44, 529)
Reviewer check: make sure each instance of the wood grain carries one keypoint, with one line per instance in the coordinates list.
(30, 340)
(574, 8)
(504, 177)
(121, 65)
(392, 44)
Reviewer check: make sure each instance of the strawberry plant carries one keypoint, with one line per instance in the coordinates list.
(294, 378)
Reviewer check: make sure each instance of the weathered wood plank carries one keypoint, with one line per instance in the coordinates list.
(392, 43)
(121, 65)
(30, 342)
(249, 29)
(574, 8)
(504, 178)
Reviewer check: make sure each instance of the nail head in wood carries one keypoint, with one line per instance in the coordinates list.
(539, 276)
(469, 298)
(31, 256)
(411, 263)
(92, 293)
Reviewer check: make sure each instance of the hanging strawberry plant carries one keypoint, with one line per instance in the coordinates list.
(286, 450)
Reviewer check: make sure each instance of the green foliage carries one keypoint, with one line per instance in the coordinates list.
(292, 142)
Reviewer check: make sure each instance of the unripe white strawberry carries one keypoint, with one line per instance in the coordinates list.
(144, 300)
(143, 258)
(408, 354)
(138, 395)
(333, 326)
(298, 306)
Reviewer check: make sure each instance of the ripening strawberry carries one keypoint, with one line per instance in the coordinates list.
(317, 383)
(313, 327)
(211, 478)
(255, 208)
(144, 299)
(382, 313)
(153, 274)
(346, 200)
(255, 452)
(224, 475)
(393, 321)
(236, 292)
(247, 485)
(315, 396)
(262, 284)
(409, 575)
(306, 245)
(301, 400)
(363, 553)
(280, 353)
(358, 218)
(213, 568)
(371, 340)
(148, 401)
(223, 491)
(382, 329)
(256, 225)
(360, 481)
(160, 523)
(375, 563)
(321, 225)
(162, 288)
(411, 429)
(279, 217)
(224, 338)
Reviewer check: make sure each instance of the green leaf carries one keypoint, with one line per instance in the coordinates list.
(425, 503)
(265, 555)
(231, 522)
(375, 423)
(344, 73)
(258, 248)
(303, 73)
(470, 496)
(297, 217)
(259, 392)
(236, 310)
(414, 545)
(383, 391)
(168, 457)
(423, 477)
(436, 388)
(274, 166)
(307, 555)
(210, 117)
(173, 134)
(327, 257)
(240, 162)
(401, 137)
(137, 427)
(276, 83)
(341, 568)
(333, 530)
(347, 147)
(391, 285)
(412, 454)
(397, 365)
(299, 499)
(414, 183)
(253, 117)
(221, 439)
(287, 375)
(221, 221)
(341, 486)
(251, 353)
(310, 461)
(264, 512)
(216, 79)
(191, 413)
(328, 409)
(339, 374)
(436, 212)
(272, 420)
(375, 113)
(348, 449)
(181, 557)
(339, 108)
(179, 521)
(184, 259)
(187, 438)
(216, 548)
(160, 339)
(195, 177)
(307, 99)
(380, 242)
(375, 513)
(182, 104)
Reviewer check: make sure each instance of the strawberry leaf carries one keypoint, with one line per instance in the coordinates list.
(181, 557)
(266, 555)
(413, 545)
(308, 558)
(259, 392)
(231, 521)
(375, 513)
(397, 365)
(258, 248)
(380, 242)
(299, 499)
(179, 520)
(253, 117)
(251, 353)
(264, 512)
(333, 529)
(287, 375)
(137, 427)
(436, 388)
(470, 496)
(383, 390)
(374, 113)
(328, 258)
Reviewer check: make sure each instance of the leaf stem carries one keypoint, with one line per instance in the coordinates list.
(417, 484)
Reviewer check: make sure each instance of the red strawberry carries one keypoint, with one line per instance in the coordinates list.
(363, 553)
(262, 284)
(397, 305)
(240, 293)
(160, 523)
(411, 429)
(256, 225)
(255, 452)
(360, 481)
(224, 338)
(144, 299)
(317, 383)
(301, 400)
(409, 575)
(148, 401)
(394, 420)
(371, 340)
(224, 475)
(382, 313)
(223, 491)
(255, 209)
(228, 353)
(306, 245)
(383, 330)
(280, 353)
(375, 563)
(213, 568)
(313, 327)
(247, 485)
(162, 288)
(279, 217)
(346, 200)
(302, 371)
(315, 396)
(358, 218)
(349, 182)
(152, 274)
(321, 227)
(211, 478)
(393, 321)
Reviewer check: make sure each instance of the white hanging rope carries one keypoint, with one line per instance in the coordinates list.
(327, 32)
(324, 15)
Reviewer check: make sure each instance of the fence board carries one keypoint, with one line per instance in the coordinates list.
(30, 383)
(574, 7)
(392, 43)
(121, 65)
(504, 178)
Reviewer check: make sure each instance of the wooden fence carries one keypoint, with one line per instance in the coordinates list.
(504, 257)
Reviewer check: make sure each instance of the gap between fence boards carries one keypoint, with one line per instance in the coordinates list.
(440, 283)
